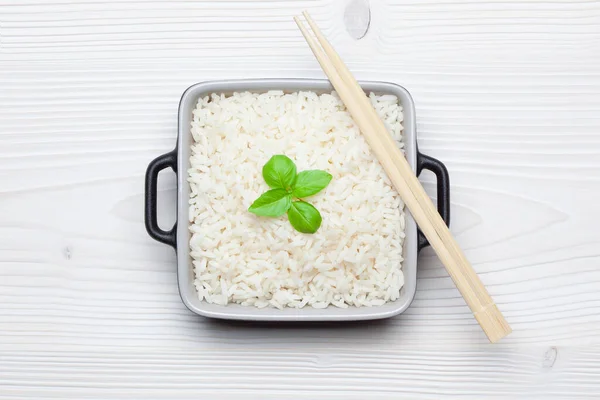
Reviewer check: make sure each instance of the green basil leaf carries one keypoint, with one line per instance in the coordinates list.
(311, 182)
(304, 217)
(280, 172)
(273, 203)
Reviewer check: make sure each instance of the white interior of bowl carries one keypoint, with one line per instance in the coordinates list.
(185, 271)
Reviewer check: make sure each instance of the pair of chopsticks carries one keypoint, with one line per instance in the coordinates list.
(406, 183)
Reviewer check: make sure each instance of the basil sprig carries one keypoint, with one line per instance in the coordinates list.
(288, 188)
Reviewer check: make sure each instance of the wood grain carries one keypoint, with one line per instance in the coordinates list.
(507, 95)
(401, 373)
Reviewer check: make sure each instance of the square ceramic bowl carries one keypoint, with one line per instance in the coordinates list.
(179, 236)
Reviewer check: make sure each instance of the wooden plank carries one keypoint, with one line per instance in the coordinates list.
(499, 373)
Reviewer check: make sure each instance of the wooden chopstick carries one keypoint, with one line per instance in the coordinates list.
(407, 184)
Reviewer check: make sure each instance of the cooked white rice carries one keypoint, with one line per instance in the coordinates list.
(354, 259)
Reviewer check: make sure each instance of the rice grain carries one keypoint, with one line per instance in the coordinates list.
(354, 259)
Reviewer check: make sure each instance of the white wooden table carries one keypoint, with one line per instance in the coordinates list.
(507, 95)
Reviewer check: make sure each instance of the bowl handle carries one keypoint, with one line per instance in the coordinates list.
(150, 214)
(443, 190)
